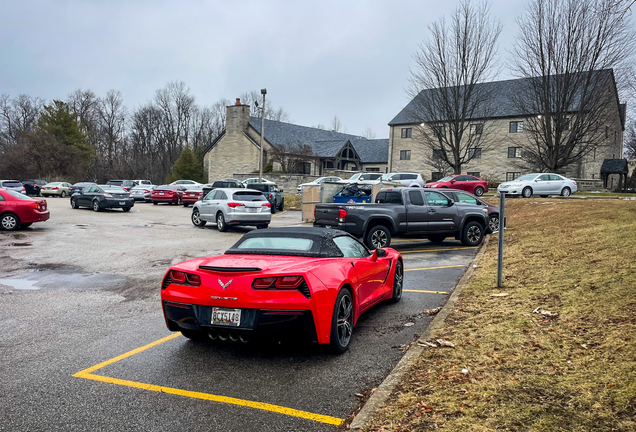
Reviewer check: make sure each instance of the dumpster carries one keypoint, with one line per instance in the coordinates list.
(353, 193)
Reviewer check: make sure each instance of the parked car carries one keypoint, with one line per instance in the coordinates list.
(283, 279)
(467, 183)
(249, 181)
(127, 185)
(463, 197)
(363, 178)
(171, 194)
(100, 197)
(13, 185)
(406, 179)
(272, 193)
(18, 210)
(143, 182)
(406, 211)
(542, 184)
(223, 183)
(318, 181)
(192, 195)
(79, 187)
(187, 183)
(60, 189)
(142, 192)
(33, 187)
(232, 207)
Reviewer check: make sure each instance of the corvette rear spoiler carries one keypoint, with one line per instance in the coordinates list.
(230, 269)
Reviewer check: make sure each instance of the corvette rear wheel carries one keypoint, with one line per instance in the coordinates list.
(398, 282)
(342, 322)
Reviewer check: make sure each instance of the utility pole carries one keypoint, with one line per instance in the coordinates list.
(502, 223)
(260, 160)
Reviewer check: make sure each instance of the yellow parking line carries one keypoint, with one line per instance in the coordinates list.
(425, 291)
(87, 374)
(278, 214)
(436, 250)
(433, 268)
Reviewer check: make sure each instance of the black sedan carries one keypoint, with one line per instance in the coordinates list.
(100, 197)
(77, 187)
(33, 187)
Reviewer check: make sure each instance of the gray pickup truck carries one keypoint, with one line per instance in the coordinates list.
(406, 212)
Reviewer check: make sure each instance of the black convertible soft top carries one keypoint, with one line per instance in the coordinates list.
(322, 245)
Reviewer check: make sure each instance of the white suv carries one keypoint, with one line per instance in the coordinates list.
(406, 179)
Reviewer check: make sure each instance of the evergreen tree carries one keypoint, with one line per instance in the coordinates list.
(60, 124)
(188, 166)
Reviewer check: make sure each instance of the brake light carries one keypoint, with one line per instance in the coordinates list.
(193, 279)
(177, 276)
(55, 188)
(289, 282)
(267, 205)
(263, 283)
(235, 204)
(574, 182)
(270, 196)
(342, 215)
(34, 205)
(283, 283)
(146, 190)
(108, 195)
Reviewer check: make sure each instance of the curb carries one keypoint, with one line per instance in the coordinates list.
(384, 391)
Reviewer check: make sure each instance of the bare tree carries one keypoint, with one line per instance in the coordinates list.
(566, 50)
(17, 116)
(369, 133)
(254, 98)
(448, 101)
(111, 142)
(336, 125)
(291, 156)
(630, 141)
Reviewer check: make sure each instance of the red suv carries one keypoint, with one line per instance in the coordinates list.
(467, 183)
(20, 211)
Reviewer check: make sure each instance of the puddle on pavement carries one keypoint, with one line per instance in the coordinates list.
(21, 244)
(62, 279)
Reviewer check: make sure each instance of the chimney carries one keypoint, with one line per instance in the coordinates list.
(237, 118)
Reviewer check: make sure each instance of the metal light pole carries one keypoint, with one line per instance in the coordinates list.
(260, 159)
(502, 219)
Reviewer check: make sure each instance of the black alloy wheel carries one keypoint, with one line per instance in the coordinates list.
(9, 222)
(196, 218)
(342, 322)
(527, 192)
(566, 192)
(74, 203)
(473, 234)
(220, 222)
(493, 222)
(479, 191)
(398, 282)
(378, 237)
(96, 206)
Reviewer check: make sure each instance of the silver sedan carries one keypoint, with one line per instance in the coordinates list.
(232, 207)
(542, 184)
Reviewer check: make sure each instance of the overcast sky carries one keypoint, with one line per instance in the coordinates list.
(316, 59)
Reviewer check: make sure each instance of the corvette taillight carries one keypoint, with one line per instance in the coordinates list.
(342, 215)
(177, 276)
(183, 278)
(263, 283)
(283, 282)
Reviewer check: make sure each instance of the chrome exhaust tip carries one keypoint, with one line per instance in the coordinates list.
(244, 337)
(222, 335)
(234, 336)
(213, 334)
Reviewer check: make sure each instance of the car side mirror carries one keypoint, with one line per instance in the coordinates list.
(280, 190)
(378, 253)
(200, 198)
(450, 202)
(536, 180)
(452, 181)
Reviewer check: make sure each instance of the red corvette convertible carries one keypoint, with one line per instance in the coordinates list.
(313, 280)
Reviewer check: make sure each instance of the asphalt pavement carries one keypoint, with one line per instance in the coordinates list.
(85, 346)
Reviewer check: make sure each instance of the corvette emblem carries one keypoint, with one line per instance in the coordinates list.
(226, 284)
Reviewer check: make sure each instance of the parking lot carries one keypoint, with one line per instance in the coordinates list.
(85, 346)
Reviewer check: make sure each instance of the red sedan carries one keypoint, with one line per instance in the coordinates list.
(313, 280)
(192, 195)
(20, 211)
(171, 194)
(467, 183)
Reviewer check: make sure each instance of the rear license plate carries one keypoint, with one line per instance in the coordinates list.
(228, 317)
(160, 193)
(122, 203)
(251, 210)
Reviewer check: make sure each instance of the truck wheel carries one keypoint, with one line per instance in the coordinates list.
(438, 238)
(473, 234)
(378, 237)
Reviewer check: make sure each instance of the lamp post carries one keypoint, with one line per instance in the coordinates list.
(260, 159)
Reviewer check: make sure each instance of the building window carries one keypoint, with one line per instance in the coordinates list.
(476, 129)
(405, 154)
(437, 154)
(474, 153)
(566, 126)
(510, 176)
(515, 127)
(514, 152)
(436, 176)
(439, 131)
(373, 169)
(474, 173)
(407, 132)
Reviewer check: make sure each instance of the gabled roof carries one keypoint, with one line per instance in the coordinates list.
(614, 166)
(372, 150)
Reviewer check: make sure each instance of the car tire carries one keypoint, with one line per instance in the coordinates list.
(196, 219)
(566, 192)
(26, 225)
(96, 206)
(398, 282)
(126, 209)
(479, 191)
(473, 234)
(526, 192)
(74, 203)
(9, 222)
(220, 222)
(378, 237)
(282, 205)
(342, 322)
(194, 335)
(437, 238)
(544, 196)
(63, 194)
(493, 222)
(274, 208)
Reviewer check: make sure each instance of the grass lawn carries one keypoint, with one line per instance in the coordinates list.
(605, 194)
(525, 371)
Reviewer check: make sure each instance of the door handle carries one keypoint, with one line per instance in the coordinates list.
(431, 210)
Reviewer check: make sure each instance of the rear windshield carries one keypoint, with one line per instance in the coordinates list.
(389, 198)
(18, 195)
(260, 187)
(224, 184)
(11, 184)
(83, 184)
(170, 188)
(115, 182)
(196, 189)
(113, 189)
(277, 243)
(248, 196)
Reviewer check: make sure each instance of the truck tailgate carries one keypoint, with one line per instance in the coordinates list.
(327, 214)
